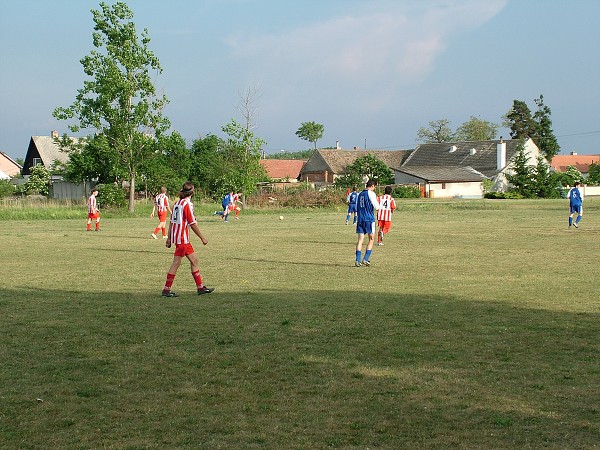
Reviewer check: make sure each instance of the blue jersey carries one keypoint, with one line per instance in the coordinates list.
(352, 197)
(365, 207)
(575, 197)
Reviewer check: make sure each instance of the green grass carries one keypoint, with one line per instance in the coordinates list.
(477, 326)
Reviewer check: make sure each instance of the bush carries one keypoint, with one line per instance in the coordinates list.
(299, 199)
(406, 192)
(110, 195)
(503, 195)
(6, 189)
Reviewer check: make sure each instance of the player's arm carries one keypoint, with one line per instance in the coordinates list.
(153, 209)
(198, 233)
(374, 201)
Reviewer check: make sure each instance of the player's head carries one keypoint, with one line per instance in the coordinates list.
(388, 190)
(163, 189)
(370, 184)
(354, 188)
(94, 191)
(187, 190)
(577, 184)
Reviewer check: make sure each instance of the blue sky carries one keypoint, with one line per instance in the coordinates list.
(371, 71)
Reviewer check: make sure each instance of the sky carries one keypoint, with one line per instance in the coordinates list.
(372, 72)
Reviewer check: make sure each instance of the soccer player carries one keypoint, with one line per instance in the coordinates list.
(384, 214)
(233, 205)
(182, 219)
(225, 203)
(161, 205)
(93, 211)
(366, 205)
(575, 204)
(351, 201)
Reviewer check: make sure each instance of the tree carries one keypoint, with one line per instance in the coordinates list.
(522, 177)
(302, 154)
(363, 168)
(438, 131)
(311, 132)
(37, 183)
(594, 173)
(168, 165)
(544, 135)
(476, 129)
(120, 102)
(519, 120)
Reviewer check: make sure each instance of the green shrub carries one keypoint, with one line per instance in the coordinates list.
(6, 189)
(110, 195)
(503, 195)
(406, 192)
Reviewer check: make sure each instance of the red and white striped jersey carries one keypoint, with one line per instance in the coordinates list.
(162, 202)
(387, 206)
(92, 205)
(181, 219)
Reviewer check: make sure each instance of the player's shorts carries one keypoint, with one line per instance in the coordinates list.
(577, 209)
(351, 208)
(183, 249)
(95, 215)
(162, 216)
(385, 225)
(365, 227)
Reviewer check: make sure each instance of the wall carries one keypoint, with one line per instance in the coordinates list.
(456, 190)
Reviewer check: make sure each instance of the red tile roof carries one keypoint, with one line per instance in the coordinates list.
(283, 168)
(581, 162)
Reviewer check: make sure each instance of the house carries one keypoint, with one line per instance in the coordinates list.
(561, 163)
(325, 165)
(283, 170)
(458, 169)
(43, 150)
(8, 167)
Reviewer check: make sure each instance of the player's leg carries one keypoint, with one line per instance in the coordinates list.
(89, 224)
(359, 243)
(98, 223)
(579, 216)
(348, 216)
(367, 258)
(171, 277)
(193, 258)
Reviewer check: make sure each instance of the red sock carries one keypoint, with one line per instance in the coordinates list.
(197, 278)
(156, 230)
(89, 227)
(97, 225)
(164, 231)
(169, 282)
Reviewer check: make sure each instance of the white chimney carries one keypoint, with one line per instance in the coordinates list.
(337, 145)
(54, 134)
(473, 151)
(573, 153)
(500, 155)
(453, 149)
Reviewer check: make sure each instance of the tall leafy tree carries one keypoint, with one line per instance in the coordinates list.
(519, 120)
(311, 132)
(366, 167)
(437, 131)
(594, 173)
(522, 177)
(476, 129)
(544, 134)
(120, 102)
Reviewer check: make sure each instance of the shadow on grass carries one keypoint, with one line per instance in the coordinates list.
(293, 369)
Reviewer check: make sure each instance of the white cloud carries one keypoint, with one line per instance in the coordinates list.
(384, 45)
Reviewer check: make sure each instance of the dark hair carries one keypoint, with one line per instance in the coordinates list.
(388, 190)
(186, 190)
(371, 183)
(577, 183)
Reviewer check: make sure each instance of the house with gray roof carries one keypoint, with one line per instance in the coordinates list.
(325, 165)
(43, 150)
(458, 169)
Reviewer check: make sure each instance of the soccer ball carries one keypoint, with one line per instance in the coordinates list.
(280, 217)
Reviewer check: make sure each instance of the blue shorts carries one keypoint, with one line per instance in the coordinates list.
(576, 209)
(365, 227)
(351, 208)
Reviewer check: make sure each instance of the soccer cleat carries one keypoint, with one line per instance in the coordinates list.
(357, 263)
(164, 237)
(169, 294)
(153, 236)
(380, 243)
(366, 262)
(575, 225)
(205, 290)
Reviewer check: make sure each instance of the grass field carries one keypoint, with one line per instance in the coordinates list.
(477, 326)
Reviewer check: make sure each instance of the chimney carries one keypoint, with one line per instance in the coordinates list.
(573, 153)
(500, 154)
(473, 151)
(54, 134)
(337, 145)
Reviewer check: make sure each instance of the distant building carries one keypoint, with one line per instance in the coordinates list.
(8, 167)
(43, 150)
(561, 163)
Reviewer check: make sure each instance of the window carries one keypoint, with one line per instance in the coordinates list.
(37, 161)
